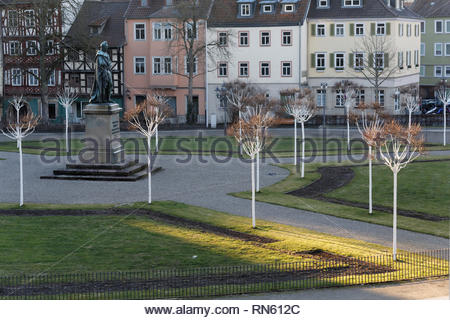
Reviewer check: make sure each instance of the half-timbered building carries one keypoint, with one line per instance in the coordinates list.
(30, 36)
(96, 22)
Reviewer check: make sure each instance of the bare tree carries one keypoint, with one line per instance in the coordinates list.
(66, 99)
(399, 147)
(443, 95)
(238, 94)
(349, 92)
(370, 126)
(18, 130)
(145, 118)
(374, 58)
(252, 142)
(299, 104)
(190, 42)
(410, 101)
(259, 112)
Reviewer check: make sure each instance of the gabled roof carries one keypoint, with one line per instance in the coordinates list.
(369, 9)
(225, 13)
(431, 9)
(108, 14)
(135, 9)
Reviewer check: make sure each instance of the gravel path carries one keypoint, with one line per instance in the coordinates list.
(200, 181)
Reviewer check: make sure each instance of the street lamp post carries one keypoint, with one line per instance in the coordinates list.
(323, 87)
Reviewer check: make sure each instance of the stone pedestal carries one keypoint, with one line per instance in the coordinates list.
(103, 144)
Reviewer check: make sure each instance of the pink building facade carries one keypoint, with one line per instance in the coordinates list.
(155, 62)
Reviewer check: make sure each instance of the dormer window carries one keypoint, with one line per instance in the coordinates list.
(288, 8)
(267, 8)
(245, 9)
(322, 4)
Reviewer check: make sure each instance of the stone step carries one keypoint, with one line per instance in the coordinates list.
(102, 172)
(84, 166)
(129, 178)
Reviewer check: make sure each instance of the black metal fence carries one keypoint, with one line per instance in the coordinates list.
(315, 272)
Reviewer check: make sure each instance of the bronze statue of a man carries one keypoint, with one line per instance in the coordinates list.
(103, 83)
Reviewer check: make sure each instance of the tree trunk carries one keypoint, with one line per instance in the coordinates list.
(21, 170)
(44, 103)
(156, 140)
(445, 124)
(67, 130)
(240, 133)
(295, 142)
(149, 164)
(409, 119)
(394, 207)
(348, 130)
(370, 180)
(303, 150)
(253, 193)
(257, 168)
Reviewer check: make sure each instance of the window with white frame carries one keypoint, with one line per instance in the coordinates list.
(243, 69)
(52, 79)
(139, 65)
(360, 96)
(447, 26)
(168, 33)
(264, 69)
(438, 71)
(191, 31)
(438, 49)
(339, 98)
(339, 29)
(223, 39)
(381, 29)
(286, 69)
(378, 60)
(438, 26)
(167, 65)
(408, 59)
(187, 65)
(245, 9)
(13, 19)
(157, 31)
(447, 71)
(157, 65)
(422, 71)
(31, 47)
(381, 98)
(16, 77)
(320, 61)
(322, 3)
(288, 8)
(286, 38)
(320, 98)
(243, 39)
(422, 27)
(400, 59)
(358, 62)
(29, 19)
(416, 58)
(408, 30)
(352, 3)
(320, 30)
(447, 49)
(14, 48)
(422, 49)
(339, 61)
(50, 48)
(223, 69)
(267, 8)
(33, 77)
(265, 38)
(139, 31)
(359, 29)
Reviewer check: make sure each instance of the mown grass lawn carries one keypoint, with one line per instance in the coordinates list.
(122, 243)
(422, 187)
(277, 146)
